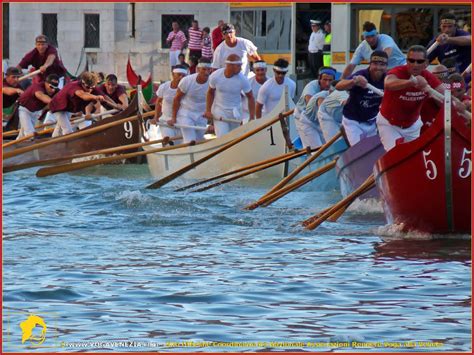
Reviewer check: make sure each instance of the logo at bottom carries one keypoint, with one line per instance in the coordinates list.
(29, 330)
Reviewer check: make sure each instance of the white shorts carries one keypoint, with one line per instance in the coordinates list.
(329, 125)
(28, 121)
(190, 118)
(63, 126)
(389, 134)
(356, 131)
(222, 128)
(168, 131)
(174, 57)
(309, 131)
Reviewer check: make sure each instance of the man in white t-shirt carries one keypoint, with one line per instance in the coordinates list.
(270, 93)
(189, 104)
(223, 96)
(256, 81)
(234, 45)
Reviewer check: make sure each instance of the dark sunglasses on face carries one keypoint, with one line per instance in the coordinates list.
(54, 86)
(418, 61)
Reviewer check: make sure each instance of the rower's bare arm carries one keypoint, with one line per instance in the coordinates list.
(11, 91)
(251, 103)
(211, 93)
(158, 110)
(348, 70)
(256, 56)
(345, 84)
(307, 98)
(49, 61)
(176, 103)
(392, 82)
(258, 110)
(124, 100)
(43, 97)
(388, 50)
(88, 97)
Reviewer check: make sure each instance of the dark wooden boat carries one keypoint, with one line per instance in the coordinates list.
(356, 164)
(126, 133)
(425, 184)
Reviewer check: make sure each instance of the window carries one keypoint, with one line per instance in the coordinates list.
(50, 27)
(92, 31)
(268, 29)
(6, 31)
(405, 24)
(184, 22)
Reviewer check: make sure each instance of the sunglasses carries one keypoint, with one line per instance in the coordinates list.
(418, 61)
(54, 85)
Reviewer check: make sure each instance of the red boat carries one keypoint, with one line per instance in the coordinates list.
(426, 187)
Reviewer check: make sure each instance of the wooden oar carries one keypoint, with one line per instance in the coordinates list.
(334, 216)
(432, 47)
(303, 165)
(29, 75)
(198, 128)
(374, 89)
(59, 169)
(254, 170)
(188, 167)
(230, 120)
(269, 199)
(467, 70)
(74, 120)
(71, 136)
(343, 204)
(81, 155)
(440, 97)
(28, 136)
(250, 166)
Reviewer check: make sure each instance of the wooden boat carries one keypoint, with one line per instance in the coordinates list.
(356, 164)
(127, 133)
(263, 145)
(425, 184)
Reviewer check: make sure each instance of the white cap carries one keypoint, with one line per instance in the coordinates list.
(315, 22)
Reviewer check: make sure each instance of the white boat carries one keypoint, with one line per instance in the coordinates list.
(263, 145)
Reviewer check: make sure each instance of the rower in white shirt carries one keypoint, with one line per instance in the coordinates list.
(189, 104)
(256, 81)
(223, 96)
(270, 93)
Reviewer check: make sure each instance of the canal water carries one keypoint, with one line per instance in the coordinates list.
(105, 264)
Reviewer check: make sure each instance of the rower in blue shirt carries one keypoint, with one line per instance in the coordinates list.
(373, 41)
(361, 109)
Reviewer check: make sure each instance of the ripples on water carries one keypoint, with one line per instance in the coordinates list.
(101, 258)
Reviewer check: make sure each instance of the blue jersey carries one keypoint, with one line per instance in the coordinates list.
(363, 104)
(462, 54)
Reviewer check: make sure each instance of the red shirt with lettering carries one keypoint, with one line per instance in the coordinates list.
(35, 59)
(29, 100)
(67, 100)
(402, 107)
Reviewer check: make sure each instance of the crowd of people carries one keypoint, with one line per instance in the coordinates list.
(226, 83)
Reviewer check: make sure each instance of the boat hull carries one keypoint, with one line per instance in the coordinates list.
(411, 181)
(127, 133)
(356, 164)
(263, 145)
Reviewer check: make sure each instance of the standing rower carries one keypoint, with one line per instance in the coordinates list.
(223, 96)
(361, 109)
(256, 82)
(45, 58)
(270, 93)
(189, 104)
(31, 103)
(399, 118)
(164, 101)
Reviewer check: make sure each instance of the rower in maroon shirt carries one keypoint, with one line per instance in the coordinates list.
(45, 58)
(77, 96)
(33, 101)
(116, 92)
(11, 89)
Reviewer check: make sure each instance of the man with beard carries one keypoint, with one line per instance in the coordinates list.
(360, 111)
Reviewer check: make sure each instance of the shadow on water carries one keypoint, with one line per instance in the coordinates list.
(436, 250)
